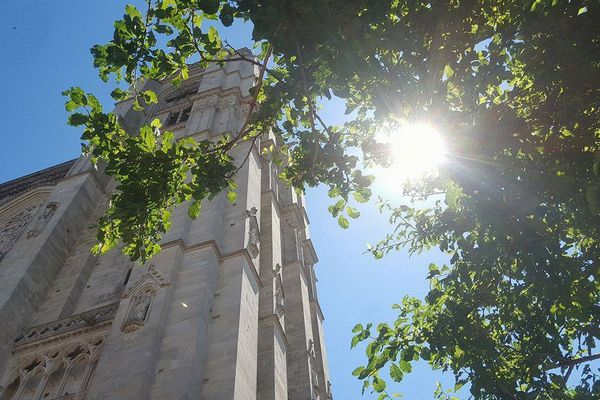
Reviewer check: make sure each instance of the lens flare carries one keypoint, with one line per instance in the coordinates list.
(417, 150)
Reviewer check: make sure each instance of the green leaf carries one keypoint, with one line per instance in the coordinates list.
(582, 10)
(147, 137)
(78, 96)
(395, 373)
(132, 11)
(118, 94)
(425, 354)
(448, 71)
(137, 106)
(155, 123)
(343, 222)
(150, 97)
(213, 34)
(77, 119)
(378, 384)
(226, 15)
(362, 196)
(453, 195)
(352, 212)
(405, 366)
(194, 209)
(209, 6)
(231, 196)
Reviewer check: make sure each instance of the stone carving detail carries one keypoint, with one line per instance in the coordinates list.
(152, 276)
(43, 219)
(57, 372)
(329, 393)
(279, 294)
(138, 311)
(253, 233)
(71, 325)
(13, 228)
(308, 252)
(142, 292)
(277, 269)
(312, 360)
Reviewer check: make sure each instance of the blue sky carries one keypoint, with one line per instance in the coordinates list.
(45, 49)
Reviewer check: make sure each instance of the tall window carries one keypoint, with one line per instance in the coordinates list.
(176, 117)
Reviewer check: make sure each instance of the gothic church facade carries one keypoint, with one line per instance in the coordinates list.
(227, 310)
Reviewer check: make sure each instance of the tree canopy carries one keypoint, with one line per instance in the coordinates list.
(514, 87)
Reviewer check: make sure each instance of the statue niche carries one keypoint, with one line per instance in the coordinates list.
(138, 310)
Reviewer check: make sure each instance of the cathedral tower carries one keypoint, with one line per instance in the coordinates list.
(227, 310)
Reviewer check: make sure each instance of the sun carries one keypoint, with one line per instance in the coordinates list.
(417, 150)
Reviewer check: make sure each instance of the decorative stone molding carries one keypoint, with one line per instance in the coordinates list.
(186, 89)
(68, 326)
(253, 233)
(10, 232)
(59, 371)
(43, 219)
(152, 278)
(45, 178)
(310, 255)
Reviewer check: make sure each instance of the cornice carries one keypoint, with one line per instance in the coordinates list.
(274, 320)
(211, 244)
(89, 321)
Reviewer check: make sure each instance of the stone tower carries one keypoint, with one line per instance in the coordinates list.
(227, 310)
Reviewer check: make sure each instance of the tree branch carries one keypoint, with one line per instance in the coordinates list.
(311, 107)
(569, 362)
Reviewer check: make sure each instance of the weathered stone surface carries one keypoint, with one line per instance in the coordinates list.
(227, 310)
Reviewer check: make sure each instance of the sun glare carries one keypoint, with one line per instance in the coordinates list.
(417, 151)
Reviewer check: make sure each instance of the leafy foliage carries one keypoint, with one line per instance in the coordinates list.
(515, 87)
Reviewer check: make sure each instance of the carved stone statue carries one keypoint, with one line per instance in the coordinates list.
(279, 296)
(313, 367)
(141, 304)
(138, 311)
(253, 232)
(276, 269)
(43, 219)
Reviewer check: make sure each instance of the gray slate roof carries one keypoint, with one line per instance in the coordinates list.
(46, 177)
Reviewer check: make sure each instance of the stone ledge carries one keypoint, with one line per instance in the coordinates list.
(67, 326)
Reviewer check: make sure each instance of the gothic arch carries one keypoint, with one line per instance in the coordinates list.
(75, 375)
(75, 351)
(10, 391)
(31, 384)
(88, 375)
(53, 380)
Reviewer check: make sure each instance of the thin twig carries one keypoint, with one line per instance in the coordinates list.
(231, 175)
